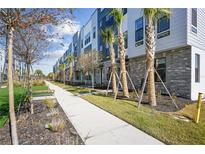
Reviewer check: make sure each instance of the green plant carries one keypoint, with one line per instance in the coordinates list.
(50, 103)
(53, 112)
(159, 94)
(174, 96)
(56, 125)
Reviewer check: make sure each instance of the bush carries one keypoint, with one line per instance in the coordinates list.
(50, 103)
(18, 84)
(56, 124)
(38, 83)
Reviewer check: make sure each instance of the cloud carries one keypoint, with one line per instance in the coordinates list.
(69, 27)
(54, 54)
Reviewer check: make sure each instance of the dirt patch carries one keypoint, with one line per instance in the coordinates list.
(32, 131)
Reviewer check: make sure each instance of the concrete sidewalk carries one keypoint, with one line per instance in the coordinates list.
(96, 126)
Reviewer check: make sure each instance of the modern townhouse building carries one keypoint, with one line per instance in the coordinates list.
(180, 48)
(88, 43)
(105, 20)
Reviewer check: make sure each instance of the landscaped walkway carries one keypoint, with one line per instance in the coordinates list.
(96, 126)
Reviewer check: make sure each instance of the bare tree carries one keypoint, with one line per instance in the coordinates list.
(87, 62)
(10, 21)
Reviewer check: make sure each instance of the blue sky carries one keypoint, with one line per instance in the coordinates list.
(56, 49)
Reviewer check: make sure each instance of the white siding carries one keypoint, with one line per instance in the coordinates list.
(197, 87)
(197, 40)
(176, 38)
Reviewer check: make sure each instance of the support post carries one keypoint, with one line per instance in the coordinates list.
(198, 109)
(166, 89)
(118, 85)
(132, 84)
(109, 83)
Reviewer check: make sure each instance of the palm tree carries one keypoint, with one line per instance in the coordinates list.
(108, 38)
(118, 16)
(62, 67)
(152, 15)
(70, 60)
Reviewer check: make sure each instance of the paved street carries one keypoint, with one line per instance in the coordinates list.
(96, 126)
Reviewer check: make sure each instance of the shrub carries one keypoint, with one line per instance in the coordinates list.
(18, 84)
(174, 96)
(56, 124)
(159, 94)
(38, 83)
(53, 112)
(50, 103)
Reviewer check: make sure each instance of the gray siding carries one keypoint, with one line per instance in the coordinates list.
(177, 37)
(198, 39)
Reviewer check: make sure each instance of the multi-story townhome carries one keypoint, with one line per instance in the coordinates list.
(88, 41)
(105, 20)
(179, 48)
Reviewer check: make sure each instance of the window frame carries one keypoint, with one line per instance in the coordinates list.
(160, 69)
(141, 41)
(165, 32)
(193, 26)
(197, 67)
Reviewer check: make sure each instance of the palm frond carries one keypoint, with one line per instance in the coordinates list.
(117, 13)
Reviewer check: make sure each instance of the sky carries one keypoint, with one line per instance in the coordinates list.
(58, 47)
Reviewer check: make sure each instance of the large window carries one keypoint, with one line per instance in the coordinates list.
(194, 20)
(163, 27)
(160, 66)
(139, 31)
(197, 68)
(87, 39)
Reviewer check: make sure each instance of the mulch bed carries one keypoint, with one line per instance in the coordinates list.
(164, 102)
(31, 129)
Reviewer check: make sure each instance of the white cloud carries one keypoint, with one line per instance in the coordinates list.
(55, 54)
(69, 27)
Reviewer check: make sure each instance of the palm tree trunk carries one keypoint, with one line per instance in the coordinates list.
(29, 88)
(150, 51)
(122, 63)
(11, 90)
(71, 71)
(112, 57)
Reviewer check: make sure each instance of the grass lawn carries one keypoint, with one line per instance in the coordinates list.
(159, 125)
(19, 95)
(40, 91)
(74, 89)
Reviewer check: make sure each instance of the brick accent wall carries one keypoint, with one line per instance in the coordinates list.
(178, 71)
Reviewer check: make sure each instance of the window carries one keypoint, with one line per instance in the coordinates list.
(101, 23)
(125, 39)
(194, 20)
(81, 43)
(87, 39)
(107, 17)
(124, 11)
(139, 31)
(163, 27)
(197, 68)
(160, 66)
(94, 32)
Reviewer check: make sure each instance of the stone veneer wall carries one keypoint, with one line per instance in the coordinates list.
(178, 71)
